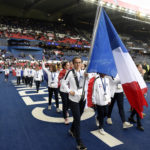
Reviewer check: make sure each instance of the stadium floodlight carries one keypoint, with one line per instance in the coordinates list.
(102, 3)
(126, 9)
(113, 6)
(59, 19)
(120, 8)
(92, 1)
(132, 11)
(142, 14)
(108, 4)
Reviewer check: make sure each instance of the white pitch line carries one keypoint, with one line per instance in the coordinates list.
(29, 101)
(38, 113)
(107, 138)
(41, 91)
(18, 86)
(28, 88)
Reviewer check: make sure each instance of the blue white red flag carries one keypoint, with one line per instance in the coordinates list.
(109, 56)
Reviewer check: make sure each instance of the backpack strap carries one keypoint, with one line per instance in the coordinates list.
(96, 79)
(76, 79)
(67, 74)
(77, 83)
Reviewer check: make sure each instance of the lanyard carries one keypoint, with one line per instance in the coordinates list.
(53, 75)
(104, 84)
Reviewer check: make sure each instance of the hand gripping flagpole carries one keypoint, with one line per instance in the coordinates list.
(97, 18)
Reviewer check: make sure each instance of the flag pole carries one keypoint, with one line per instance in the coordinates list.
(97, 17)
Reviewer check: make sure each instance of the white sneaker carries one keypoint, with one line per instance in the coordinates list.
(49, 107)
(102, 131)
(127, 125)
(109, 121)
(58, 110)
(97, 122)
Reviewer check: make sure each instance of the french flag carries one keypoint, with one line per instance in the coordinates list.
(110, 56)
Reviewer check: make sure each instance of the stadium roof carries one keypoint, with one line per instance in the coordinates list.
(76, 12)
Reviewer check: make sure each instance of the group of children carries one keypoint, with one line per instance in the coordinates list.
(105, 92)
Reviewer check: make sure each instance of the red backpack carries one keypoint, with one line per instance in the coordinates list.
(13, 72)
(90, 91)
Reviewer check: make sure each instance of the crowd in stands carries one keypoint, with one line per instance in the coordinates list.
(11, 27)
(53, 36)
(65, 54)
(133, 43)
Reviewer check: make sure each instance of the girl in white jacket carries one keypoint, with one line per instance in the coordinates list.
(38, 74)
(117, 95)
(6, 72)
(101, 97)
(18, 74)
(52, 85)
